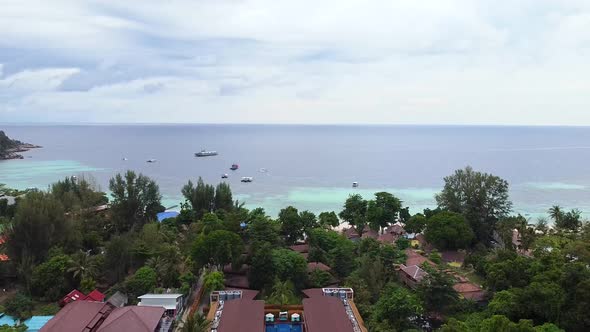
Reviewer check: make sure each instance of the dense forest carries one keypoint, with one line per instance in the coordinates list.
(75, 236)
(6, 144)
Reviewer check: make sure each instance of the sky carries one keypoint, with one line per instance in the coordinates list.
(519, 62)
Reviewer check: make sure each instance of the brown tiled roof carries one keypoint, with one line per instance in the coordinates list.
(414, 258)
(325, 313)
(133, 319)
(317, 266)
(469, 291)
(236, 281)
(242, 315)
(301, 248)
(453, 256)
(78, 315)
(388, 238)
(313, 292)
(414, 272)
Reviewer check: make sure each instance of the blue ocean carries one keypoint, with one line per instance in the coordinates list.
(313, 167)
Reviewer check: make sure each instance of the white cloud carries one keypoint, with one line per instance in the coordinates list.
(379, 61)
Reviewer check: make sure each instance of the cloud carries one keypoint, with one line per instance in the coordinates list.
(378, 61)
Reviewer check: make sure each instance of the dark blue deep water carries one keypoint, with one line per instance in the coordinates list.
(312, 167)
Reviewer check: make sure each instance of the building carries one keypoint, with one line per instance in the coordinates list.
(76, 295)
(86, 316)
(173, 303)
(412, 275)
(324, 309)
(469, 291)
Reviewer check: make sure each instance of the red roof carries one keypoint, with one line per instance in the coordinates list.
(78, 315)
(313, 292)
(95, 295)
(74, 295)
(242, 315)
(325, 313)
(317, 266)
(415, 272)
(133, 319)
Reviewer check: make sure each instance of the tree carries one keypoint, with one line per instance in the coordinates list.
(76, 193)
(214, 281)
(136, 200)
(195, 323)
(448, 230)
(383, 210)
(416, 223)
(218, 248)
(143, 281)
(481, 197)
(82, 266)
(329, 220)
(436, 291)
(118, 257)
(290, 265)
(570, 221)
(396, 306)
(261, 273)
(292, 227)
(262, 229)
(319, 278)
(49, 278)
(202, 197)
(38, 225)
(309, 221)
(283, 293)
(355, 213)
(223, 197)
(19, 306)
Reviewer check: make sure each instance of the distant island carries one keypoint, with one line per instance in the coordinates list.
(10, 148)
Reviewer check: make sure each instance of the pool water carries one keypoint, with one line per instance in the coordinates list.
(284, 327)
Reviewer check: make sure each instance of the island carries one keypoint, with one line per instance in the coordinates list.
(10, 148)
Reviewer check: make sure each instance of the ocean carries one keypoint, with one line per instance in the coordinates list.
(313, 167)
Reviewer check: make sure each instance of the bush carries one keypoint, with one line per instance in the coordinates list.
(19, 306)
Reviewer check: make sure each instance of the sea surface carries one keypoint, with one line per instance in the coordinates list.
(313, 167)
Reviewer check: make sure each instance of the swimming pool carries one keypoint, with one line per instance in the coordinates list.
(284, 327)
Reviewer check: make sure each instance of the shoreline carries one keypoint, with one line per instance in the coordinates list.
(14, 153)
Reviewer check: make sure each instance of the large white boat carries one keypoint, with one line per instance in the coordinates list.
(247, 179)
(205, 153)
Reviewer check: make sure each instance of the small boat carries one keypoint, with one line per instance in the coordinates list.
(151, 160)
(205, 153)
(247, 179)
(355, 184)
(234, 167)
(224, 176)
(124, 159)
(263, 170)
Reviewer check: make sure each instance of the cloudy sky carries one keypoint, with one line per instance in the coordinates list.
(269, 61)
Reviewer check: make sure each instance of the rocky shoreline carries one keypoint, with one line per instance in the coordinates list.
(14, 153)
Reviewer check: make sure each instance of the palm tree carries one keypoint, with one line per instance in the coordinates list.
(555, 213)
(283, 293)
(195, 323)
(82, 266)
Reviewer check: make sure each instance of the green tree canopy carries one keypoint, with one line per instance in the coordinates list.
(214, 281)
(292, 226)
(143, 281)
(218, 248)
(355, 213)
(481, 197)
(396, 306)
(290, 265)
(448, 230)
(136, 200)
(383, 210)
(329, 219)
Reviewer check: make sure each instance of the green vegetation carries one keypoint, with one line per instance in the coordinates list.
(59, 239)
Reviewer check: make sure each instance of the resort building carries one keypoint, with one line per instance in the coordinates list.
(171, 302)
(85, 316)
(323, 309)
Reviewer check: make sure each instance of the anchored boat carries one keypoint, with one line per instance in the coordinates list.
(247, 179)
(205, 153)
(234, 167)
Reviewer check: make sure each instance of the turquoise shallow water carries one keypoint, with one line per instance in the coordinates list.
(313, 167)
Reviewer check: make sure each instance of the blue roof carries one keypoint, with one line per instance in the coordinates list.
(167, 214)
(35, 323)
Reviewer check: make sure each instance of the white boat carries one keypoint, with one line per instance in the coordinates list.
(247, 179)
(151, 160)
(224, 176)
(355, 184)
(205, 153)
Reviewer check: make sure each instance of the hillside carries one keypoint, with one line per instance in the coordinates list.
(9, 148)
